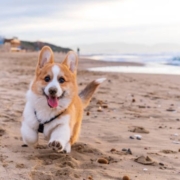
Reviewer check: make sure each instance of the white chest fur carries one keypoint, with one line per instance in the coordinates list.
(58, 129)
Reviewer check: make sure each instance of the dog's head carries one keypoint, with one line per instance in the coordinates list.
(55, 81)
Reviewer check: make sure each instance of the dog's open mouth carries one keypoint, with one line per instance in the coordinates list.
(53, 102)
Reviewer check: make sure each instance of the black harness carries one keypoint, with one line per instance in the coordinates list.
(41, 126)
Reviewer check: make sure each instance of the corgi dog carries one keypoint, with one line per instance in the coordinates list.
(53, 105)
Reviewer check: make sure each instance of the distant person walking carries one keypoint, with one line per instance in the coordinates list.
(78, 51)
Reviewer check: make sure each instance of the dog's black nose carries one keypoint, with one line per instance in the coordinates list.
(52, 91)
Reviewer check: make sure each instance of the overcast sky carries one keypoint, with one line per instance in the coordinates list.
(74, 22)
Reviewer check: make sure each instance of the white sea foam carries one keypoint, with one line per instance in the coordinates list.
(147, 69)
(163, 58)
(153, 63)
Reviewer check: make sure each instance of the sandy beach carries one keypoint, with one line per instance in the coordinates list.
(131, 127)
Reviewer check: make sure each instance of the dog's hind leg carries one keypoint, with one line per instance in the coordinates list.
(76, 132)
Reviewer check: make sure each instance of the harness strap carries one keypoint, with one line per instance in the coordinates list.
(41, 126)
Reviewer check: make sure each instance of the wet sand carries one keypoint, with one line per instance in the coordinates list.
(124, 106)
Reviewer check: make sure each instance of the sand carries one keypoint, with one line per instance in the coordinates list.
(125, 105)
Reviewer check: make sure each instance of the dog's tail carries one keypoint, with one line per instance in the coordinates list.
(87, 93)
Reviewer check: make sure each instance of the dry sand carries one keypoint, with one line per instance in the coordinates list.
(123, 103)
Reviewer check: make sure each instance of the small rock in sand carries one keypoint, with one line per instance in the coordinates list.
(102, 161)
(125, 178)
(170, 110)
(90, 178)
(161, 164)
(124, 149)
(133, 100)
(131, 137)
(142, 106)
(138, 137)
(99, 109)
(88, 113)
(112, 150)
(129, 151)
(100, 102)
(104, 106)
(24, 145)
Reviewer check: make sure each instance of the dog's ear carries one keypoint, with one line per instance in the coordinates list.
(45, 56)
(71, 61)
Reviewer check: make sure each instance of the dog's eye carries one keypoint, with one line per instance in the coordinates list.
(47, 78)
(61, 80)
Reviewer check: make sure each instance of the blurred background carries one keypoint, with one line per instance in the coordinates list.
(117, 30)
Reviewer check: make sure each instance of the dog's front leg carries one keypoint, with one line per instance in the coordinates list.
(59, 139)
(29, 135)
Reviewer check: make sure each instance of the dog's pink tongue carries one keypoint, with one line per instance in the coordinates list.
(53, 102)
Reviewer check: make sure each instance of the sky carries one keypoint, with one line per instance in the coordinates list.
(77, 22)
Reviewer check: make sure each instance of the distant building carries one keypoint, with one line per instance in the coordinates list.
(15, 45)
(1, 40)
(12, 45)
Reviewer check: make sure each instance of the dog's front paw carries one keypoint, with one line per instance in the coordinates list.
(67, 148)
(56, 145)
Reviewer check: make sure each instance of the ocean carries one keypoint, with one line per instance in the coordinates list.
(153, 63)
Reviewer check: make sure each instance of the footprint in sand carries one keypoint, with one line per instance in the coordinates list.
(20, 165)
(166, 151)
(61, 165)
(145, 160)
(41, 146)
(63, 160)
(148, 161)
(106, 160)
(41, 175)
(84, 148)
(138, 129)
(67, 166)
(2, 158)
(123, 152)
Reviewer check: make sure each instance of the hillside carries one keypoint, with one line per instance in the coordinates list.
(34, 46)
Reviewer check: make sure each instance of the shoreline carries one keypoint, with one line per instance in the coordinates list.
(85, 63)
(130, 67)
